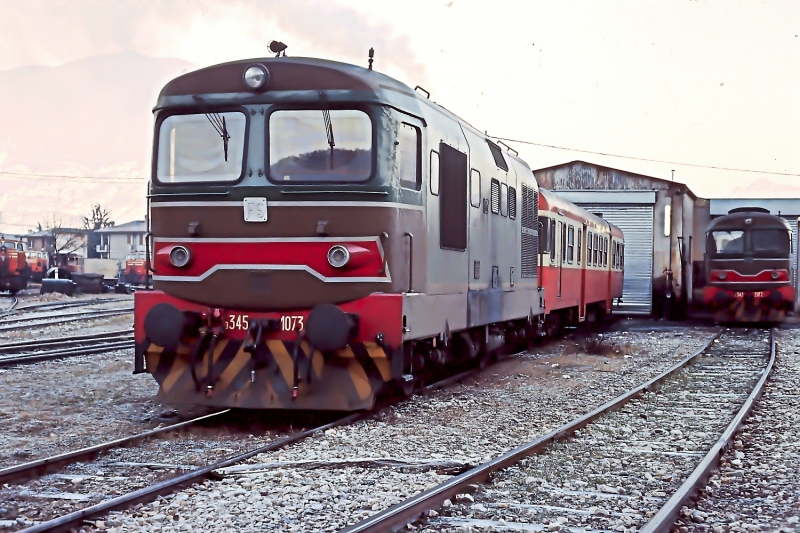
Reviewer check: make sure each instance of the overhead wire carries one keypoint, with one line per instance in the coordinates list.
(714, 167)
(50, 177)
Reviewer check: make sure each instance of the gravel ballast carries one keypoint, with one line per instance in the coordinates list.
(417, 443)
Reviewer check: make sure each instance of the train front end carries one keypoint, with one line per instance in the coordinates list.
(748, 267)
(278, 252)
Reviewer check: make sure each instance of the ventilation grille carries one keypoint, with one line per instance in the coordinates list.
(495, 196)
(512, 203)
(530, 231)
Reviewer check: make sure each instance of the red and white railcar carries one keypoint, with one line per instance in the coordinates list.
(581, 263)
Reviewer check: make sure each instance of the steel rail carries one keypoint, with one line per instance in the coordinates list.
(10, 308)
(146, 494)
(39, 467)
(66, 305)
(88, 315)
(67, 352)
(15, 347)
(410, 510)
(665, 518)
(17, 319)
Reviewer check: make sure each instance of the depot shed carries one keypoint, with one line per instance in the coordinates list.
(663, 222)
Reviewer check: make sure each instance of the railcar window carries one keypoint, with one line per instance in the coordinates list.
(202, 147)
(726, 242)
(605, 251)
(495, 196)
(320, 146)
(497, 154)
(570, 244)
(594, 249)
(580, 242)
(589, 248)
(553, 241)
(475, 188)
(434, 173)
(771, 241)
(504, 199)
(409, 164)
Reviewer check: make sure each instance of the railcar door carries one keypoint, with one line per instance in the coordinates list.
(562, 245)
(582, 266)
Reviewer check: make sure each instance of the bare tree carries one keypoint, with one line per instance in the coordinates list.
(98, 218)
(62, 240)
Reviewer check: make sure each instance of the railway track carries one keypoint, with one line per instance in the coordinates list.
(214, 470)
(10, 324)
(48, 349)
(10, 308)
(629, 465)
(51, 306)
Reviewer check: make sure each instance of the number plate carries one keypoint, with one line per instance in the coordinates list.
(237, 322)
(255, 209)
(753, 294)
(291, 323)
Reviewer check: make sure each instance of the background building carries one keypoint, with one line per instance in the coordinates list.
(118, 241)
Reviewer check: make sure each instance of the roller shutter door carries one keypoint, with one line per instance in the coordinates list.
(793, 223)
(636, 222)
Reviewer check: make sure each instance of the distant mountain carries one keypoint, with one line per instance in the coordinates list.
(765, 188)
(88, 117)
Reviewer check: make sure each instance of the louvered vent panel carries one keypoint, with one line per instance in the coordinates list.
(512, 203)
(530, 233)
(495, 196)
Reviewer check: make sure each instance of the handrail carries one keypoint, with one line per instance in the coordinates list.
(410, 261)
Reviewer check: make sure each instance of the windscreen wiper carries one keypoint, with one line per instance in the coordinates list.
(326, 115)
(219, 125)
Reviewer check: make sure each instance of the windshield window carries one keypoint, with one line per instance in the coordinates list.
(727, 242)
(320, 146)
(773, 241)
(203, 147)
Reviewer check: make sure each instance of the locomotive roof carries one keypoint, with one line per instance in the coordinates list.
(307, 79)
(757, 219)
(550, 201)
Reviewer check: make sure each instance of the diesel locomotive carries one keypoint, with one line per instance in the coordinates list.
(14, 269)
(321, 233)
(747, 266)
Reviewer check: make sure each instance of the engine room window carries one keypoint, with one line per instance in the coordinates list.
(504, 199)
(726, 242)
(408, 160)
(320, 146)
(475, 188)
(202, 147)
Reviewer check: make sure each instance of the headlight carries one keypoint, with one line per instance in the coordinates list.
(256, 76)
(338, 256)
(179, 256)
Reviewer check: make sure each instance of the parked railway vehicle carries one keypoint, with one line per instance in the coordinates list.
(135, 269)
(39, 264)
(747, 265)
(322, 233)
(14, 269)
(582, 263)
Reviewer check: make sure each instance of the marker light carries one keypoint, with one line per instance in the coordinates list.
(775, 274)
(722, 275)
(338, 256)
(256, 76)
(179, 256)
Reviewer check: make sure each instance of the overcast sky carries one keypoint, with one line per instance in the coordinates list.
(713, 83)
